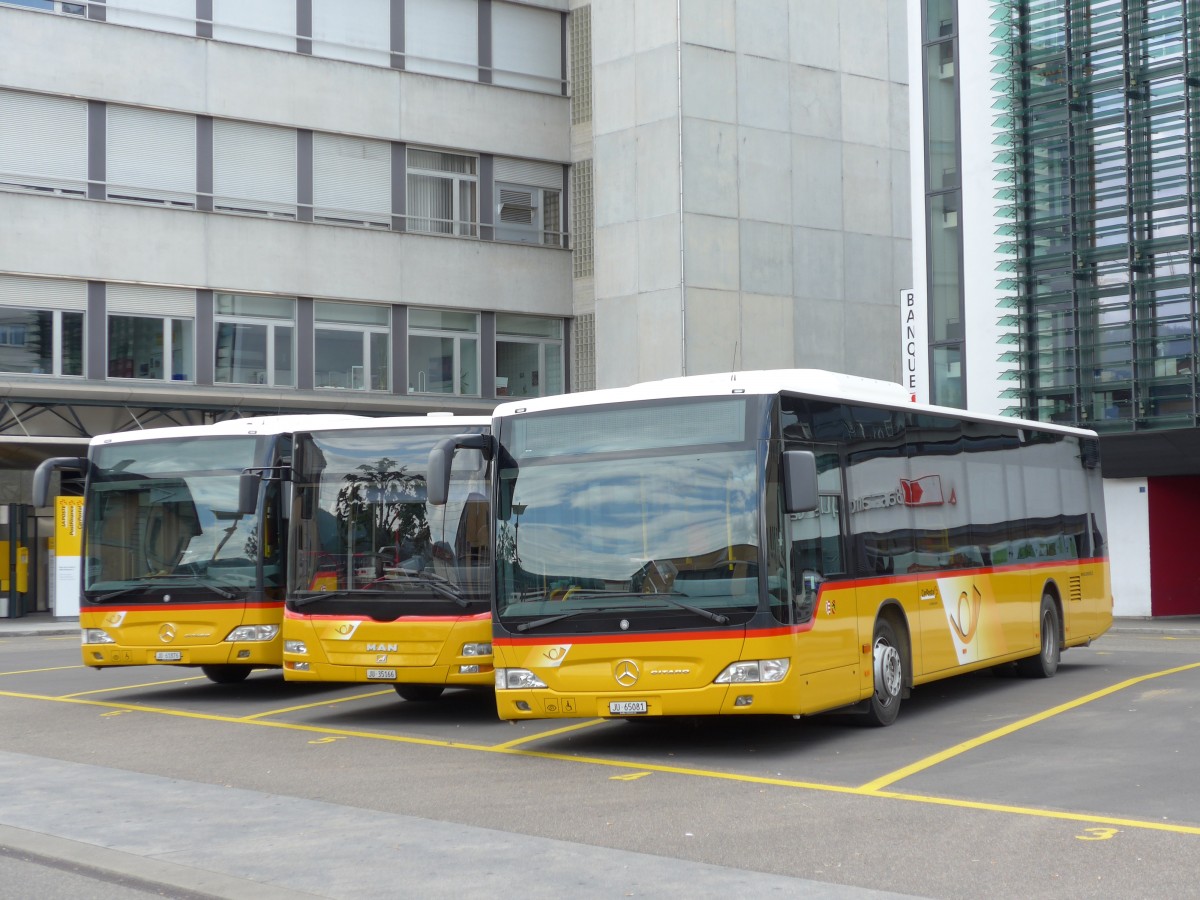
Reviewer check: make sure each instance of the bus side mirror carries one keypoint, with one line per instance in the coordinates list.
(441, 461)
(248, 485)
(800, 481)
(41, 475)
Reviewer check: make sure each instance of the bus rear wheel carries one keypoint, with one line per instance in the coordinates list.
(419, 693)
(887, 666)
(1045, 664)
(225, 674)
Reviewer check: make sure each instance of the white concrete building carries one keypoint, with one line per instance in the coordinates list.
(212, 208)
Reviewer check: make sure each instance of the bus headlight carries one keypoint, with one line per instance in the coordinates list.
(96, 636)
(253, 633)
(752, 670)
(295, 647)
(517, 679)
(477, 650)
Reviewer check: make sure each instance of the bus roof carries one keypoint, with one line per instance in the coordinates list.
(810, 382)
(430, 420)
(251, 426)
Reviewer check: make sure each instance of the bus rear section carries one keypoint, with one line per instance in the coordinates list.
(384, 587)
(783, 543)
(183, 549)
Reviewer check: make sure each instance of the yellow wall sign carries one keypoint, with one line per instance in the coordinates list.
(68, 546)
(68, 526)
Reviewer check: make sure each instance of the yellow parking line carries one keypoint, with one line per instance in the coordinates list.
(545, 734)
(127, 687)
(928, 762)
(35, 671)
(864, 792)
(287, 709)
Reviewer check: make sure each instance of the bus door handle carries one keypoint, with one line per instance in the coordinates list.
(928, 594)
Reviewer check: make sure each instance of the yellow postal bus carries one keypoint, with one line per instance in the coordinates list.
(383, 587)
(780, 542)
(183, 544)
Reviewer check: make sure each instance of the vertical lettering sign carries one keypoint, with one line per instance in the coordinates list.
(914, 346)
(68, 547)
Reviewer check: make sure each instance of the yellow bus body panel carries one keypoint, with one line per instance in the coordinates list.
(949, 623)
(422, 650)
(196, 632)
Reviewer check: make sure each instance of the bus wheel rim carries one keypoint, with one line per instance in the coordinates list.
(887, 672)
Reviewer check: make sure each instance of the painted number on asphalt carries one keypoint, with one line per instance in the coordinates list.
(1097, 834)
(633, 776)
(326, 740)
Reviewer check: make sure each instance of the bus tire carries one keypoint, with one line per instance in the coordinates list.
(887, 669)
(226, 674)
(1045, 664)
(419, 693)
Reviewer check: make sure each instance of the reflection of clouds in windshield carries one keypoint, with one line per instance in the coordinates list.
(605, 519)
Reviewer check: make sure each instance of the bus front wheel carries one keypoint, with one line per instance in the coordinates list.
(419, 693)
(225, 674)
(1045, 664)
(888, 670)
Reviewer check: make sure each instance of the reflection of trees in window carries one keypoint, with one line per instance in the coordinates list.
(381, 499)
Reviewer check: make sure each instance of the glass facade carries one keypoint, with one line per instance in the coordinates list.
(943, 200)
(1100, 102)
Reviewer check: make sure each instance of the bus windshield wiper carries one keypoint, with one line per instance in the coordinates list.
(104, 598)
(199, 582)
(439, 586)
(313, 597)
(669, 597)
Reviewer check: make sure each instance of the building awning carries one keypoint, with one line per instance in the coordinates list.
(25, 453)
(1149, 454)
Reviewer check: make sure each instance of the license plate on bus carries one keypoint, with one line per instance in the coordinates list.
(168, 656)
(627, 707)
(381, 674)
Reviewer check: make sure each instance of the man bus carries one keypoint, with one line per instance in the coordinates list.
(783, 542)
(183, 544)
(383, 587)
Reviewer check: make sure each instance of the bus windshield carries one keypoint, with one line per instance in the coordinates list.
(663, 527)
(167, 511)
(364, 538)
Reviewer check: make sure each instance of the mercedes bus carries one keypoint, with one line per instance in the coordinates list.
(383, 587)
(779, 542)
(183, 544)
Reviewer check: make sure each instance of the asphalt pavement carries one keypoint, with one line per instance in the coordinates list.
(166, 835)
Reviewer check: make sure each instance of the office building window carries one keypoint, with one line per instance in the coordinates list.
(151, 332)
(153, 347)
(352, 180)
(441, 37)
(41, 342)
(443, 352)
(41, 326)
(529, 202)
(254, 169)
(255, 340)
(442, 193)
(151, 156)
(175, 16)
(70, 9)
(527, 47)
(43, 143)
(529, 356)
(263, 23)
(361, 34)
(351, 346)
